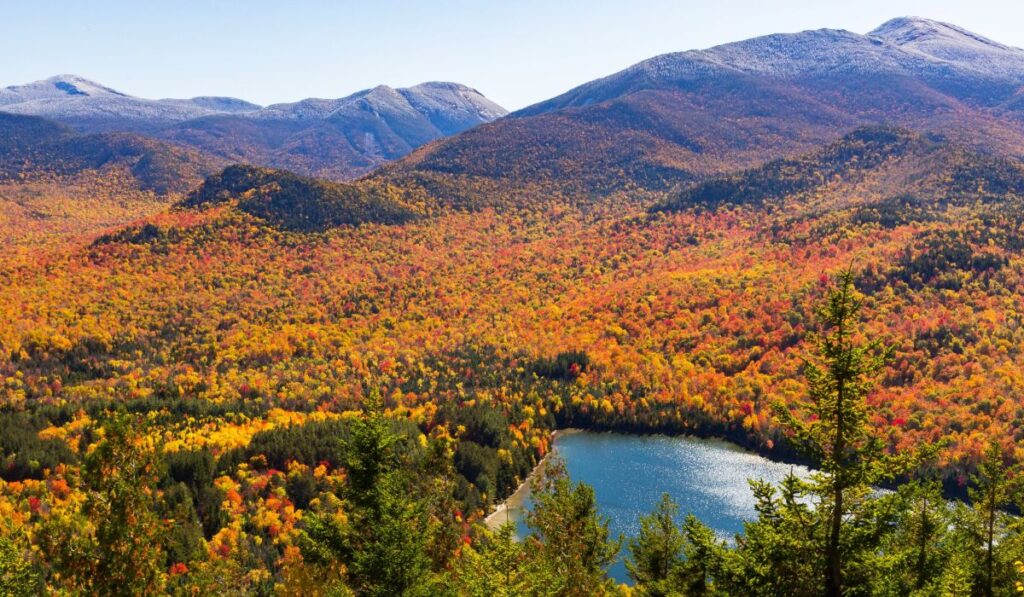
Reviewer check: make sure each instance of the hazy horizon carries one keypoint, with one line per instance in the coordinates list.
(515, 54)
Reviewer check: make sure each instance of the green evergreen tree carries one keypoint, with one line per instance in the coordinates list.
(496, 566)
(19, 575)
(913, 556)
(990, 494)
(390, 546)
(834, 429)
(703, 555)
(570, 537)
(184, 539)
(657, 552)
(383, 545)
(779, 554)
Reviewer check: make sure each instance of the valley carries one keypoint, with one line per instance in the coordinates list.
(307, 348)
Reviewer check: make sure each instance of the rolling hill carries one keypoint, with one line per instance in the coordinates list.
(296, 203)
(868, 161)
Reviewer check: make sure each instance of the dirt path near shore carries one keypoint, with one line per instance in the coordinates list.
(514, 507)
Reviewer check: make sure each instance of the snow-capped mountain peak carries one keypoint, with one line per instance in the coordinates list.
(953, 45)
(914, 31)
(451, 101)
(81, 102)
(60, 87)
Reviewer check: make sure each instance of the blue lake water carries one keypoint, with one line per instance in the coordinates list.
(629, 473)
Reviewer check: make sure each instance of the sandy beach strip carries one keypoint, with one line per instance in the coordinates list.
(514, 506)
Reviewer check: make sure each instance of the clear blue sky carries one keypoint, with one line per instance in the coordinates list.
(516, 51)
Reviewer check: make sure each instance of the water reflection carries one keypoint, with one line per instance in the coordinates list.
(629, 473)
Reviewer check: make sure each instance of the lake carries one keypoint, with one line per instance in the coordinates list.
(629, 473)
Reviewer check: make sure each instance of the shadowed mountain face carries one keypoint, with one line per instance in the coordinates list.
(333, 138)
(869, 162)
(678, 117)
(31, 146)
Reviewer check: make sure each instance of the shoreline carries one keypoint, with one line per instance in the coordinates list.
(781, 454)
(516, 501)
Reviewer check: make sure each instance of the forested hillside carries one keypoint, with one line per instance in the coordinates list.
(34, 148)
(248, 323)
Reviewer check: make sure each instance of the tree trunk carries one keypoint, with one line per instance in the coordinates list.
(834, 565)
(922, 546)
(833, 572)
(988, 555)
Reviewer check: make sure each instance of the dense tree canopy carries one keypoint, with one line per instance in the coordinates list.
(242, 354)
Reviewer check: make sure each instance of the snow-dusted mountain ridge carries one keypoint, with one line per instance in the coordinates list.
(954, 45)
(449, 101)
(80, 102)
(91, 106)
(333, 138)
(908, 46)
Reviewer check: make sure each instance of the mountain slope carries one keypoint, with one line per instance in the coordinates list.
(905, 47)
(677, 117)
(871, 161)
(340, 138)
(32, 147)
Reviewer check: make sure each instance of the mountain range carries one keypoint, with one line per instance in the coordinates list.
(333, 138)
(660, 125)
(676, 118)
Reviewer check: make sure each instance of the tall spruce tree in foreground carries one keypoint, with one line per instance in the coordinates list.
(572, 544)
(989, 496)
(658, 550)
(666, 559)
(833, 426)
(383, 545)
